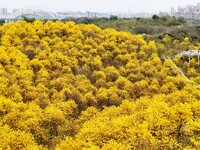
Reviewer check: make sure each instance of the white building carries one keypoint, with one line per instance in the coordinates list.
(188, 12)
(198, 6)
(16, 10)
(3, 11)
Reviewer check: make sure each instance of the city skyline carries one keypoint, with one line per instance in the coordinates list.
(187, 12)
(126, 6)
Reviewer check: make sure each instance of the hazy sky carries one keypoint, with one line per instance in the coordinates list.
(100, 5)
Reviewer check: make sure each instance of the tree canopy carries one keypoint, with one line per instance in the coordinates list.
(76, 86)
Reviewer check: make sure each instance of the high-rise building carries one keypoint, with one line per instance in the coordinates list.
(3, 11)
(173, 11)
(198, 6)
(188, 12)
(189, 9)
(15, 10)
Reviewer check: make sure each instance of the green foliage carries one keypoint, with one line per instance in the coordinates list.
(29, 20)
(155, 17)
(113, 17)
(2, 21)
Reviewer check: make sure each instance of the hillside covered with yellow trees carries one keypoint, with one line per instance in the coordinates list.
(71, 87)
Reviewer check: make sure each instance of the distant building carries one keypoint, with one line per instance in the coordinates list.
(198, 6)
(29, 12)
(3, 11)
(173, 11)
(15, 10)
(189, 12)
